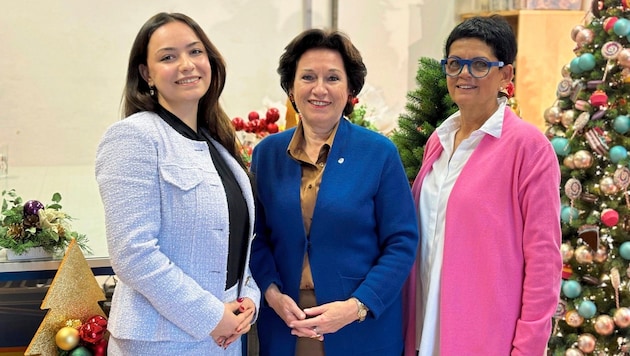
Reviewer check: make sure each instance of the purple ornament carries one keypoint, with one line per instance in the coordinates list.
(31, 207)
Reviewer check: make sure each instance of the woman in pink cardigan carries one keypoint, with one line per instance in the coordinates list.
(488, 269)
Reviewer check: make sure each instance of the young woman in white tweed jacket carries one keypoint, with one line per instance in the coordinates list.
(178, 202)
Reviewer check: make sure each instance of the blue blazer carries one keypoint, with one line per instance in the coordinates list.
(362, 243)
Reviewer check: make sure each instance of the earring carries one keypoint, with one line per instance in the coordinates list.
(152, 91)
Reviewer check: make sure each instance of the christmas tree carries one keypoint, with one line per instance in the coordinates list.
(75, 321)
(589, 127)
(426, 108)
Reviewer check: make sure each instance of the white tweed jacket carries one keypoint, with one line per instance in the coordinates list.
(166, 217)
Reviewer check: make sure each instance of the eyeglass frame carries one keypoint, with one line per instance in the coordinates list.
(468, 63)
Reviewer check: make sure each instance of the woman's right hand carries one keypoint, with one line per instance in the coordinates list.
(287, 309)
(231, 327)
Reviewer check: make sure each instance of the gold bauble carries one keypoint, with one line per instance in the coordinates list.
(67, 338)
(607, 186)
(582, 159)
(584, 255)
(567, 118)
(586, 342)
(566, 250)
(568, 161)
(552, 115)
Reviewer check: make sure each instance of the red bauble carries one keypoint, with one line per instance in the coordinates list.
(609, 23)
(100, 348)
(253, 116)
(272, 127)
(238, 123)
(599, 98)
(272, 115)
(93, 330)
(262, 125)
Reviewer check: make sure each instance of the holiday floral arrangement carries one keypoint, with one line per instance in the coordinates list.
(31, 224)
(256, 128)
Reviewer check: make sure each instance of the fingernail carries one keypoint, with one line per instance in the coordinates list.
(240, 299)
(242, 308)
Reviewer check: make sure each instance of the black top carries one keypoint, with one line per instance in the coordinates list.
(238, 213)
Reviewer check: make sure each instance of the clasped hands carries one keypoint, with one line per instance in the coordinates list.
(236, 321)
(312, 322)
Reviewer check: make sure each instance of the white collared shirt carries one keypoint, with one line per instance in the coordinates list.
(434, 196)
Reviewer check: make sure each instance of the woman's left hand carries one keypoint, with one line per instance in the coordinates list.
(327, 318)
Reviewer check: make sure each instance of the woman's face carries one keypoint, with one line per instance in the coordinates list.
(320, 88)
(177, 65)
(468, 91)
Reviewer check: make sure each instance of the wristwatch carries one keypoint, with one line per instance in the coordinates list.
(363, 310)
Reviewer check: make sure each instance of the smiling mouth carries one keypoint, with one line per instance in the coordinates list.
(319, 103)
(466, 86)
(188, 80)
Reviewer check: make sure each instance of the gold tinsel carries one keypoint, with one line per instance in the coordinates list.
(73, 294)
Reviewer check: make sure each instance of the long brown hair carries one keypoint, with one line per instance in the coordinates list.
(210, 114)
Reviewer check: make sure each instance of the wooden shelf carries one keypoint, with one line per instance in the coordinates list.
(544, 48)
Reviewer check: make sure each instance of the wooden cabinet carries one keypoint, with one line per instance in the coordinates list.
(544, 48)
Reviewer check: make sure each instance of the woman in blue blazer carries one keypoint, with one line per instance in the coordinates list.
(179, 207)
(336, 230)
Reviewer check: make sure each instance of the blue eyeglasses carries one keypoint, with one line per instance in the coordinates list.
(477, 67)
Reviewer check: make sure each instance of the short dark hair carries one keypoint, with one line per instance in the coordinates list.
(494, 30)
(328, 39)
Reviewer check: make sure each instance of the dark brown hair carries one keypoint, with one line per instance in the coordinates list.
(333, 40)
(210, 114)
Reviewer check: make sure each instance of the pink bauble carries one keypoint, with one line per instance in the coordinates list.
(608, 186)
(610, 217)
(584, 255)
(575, 31)
(584, 37)
(622, 317)
(566, 250)
(604, 325)
(623, 59)
(582, 159)
(586, 343)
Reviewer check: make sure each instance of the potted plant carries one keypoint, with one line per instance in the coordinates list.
(33, 230)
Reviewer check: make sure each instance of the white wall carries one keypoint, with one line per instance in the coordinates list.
(63, 65)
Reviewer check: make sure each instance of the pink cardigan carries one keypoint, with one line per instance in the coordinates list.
(502, 264)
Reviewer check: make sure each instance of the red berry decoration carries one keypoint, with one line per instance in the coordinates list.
(272, 115)
(238, 123)
(93, 330)
(253, 116)
(31, 207)
(272, 128)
